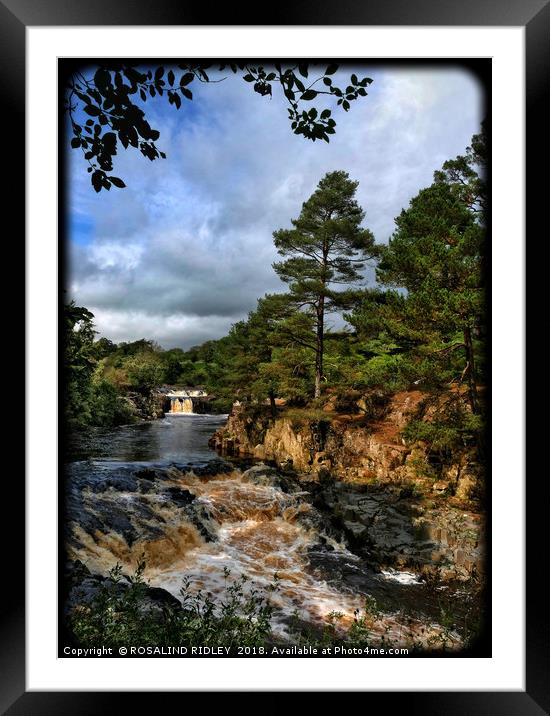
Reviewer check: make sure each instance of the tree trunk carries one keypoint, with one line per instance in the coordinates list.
(272, 404)
(319, 346)
(470, 363)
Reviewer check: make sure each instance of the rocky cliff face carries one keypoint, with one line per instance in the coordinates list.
(351, 448)
(145, 407)
(396, 530)
(388, 495)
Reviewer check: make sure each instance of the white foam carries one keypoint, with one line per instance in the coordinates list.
(393, 575)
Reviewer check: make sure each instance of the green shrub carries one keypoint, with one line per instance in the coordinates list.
(220, 405)
(445, 434)
(108, 406)
(120, 616)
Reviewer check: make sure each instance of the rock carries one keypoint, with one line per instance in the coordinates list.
(208, 469)
(200, 515)
(86, 590)
(76, 572)
(121, 482)
(157, 597)
(441, 539)
(147, 474)
(262, 475)
(270, 477)
(128, 504)
(259, 452)
(357, 531)
(179, 496)
(466, 487)
(213, 467)
(330, 405)
(87, 587)
(350, 450)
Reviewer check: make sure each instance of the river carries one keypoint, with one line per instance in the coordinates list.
(157, 488)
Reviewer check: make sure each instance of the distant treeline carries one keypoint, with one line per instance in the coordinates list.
(423, 325)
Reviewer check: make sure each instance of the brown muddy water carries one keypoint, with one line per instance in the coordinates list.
(157, 489)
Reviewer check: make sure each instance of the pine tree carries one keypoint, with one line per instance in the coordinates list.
(436, 255)
(325, 248)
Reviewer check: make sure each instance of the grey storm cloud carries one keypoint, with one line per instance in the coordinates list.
(186, 249)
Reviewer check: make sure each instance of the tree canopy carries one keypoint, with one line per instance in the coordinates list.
(325, 247)
(436, 254)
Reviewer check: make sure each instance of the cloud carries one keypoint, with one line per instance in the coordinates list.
(187, 248)
(173, 330)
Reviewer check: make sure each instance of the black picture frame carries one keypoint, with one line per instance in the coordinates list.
(534, 16)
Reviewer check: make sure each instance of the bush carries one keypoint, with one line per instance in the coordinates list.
(145, 371)
(302, 417)
(120, 616)
(220, 405)
(108, 407)
(445, 433)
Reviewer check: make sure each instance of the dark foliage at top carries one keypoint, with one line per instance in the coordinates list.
(105, 107)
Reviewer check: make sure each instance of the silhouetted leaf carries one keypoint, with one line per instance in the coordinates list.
(186, 79)
(102, 79)
(92, 110)
(107, 99)
(109, 139)
(97, 180)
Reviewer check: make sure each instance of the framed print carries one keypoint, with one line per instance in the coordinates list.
(264, 434)
(266, 294)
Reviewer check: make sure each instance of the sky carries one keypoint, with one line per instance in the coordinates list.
(186, 249)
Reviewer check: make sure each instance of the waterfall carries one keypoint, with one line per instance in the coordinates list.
(181, 405)
(186, 405)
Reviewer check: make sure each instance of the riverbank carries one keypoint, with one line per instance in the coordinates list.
(402, 502)
(205, 521)
(326, 536)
